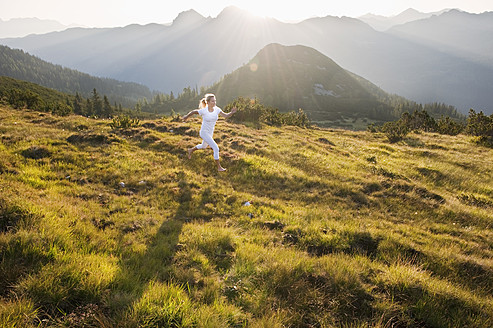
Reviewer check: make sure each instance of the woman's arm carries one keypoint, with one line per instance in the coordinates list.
(233, 110)
(193, 112)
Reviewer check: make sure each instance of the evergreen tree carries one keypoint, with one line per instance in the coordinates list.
(78, 104)
(479, 124)
(97, 104)
(107, 109)
(89, 110)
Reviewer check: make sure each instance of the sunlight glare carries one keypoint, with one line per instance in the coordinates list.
(271, 9)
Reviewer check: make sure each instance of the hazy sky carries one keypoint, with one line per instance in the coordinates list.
(109, 13)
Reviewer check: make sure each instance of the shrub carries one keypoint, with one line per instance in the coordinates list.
(248, 110)
(24, 98)
(446, 125)
(419, 120)
(124, 122)
(251, 111)
(480, 125)
(59, 109)
(395, 131)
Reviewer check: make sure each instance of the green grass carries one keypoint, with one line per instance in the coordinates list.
(104, 227)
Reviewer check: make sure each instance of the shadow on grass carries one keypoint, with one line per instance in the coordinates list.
(18, 258)
(139, 270)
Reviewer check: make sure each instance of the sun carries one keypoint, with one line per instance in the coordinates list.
(271, 10)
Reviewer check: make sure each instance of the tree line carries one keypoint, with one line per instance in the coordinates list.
(477, 124)
(169, 104)
(20, 94)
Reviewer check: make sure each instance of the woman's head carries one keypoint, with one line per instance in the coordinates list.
(206, 100)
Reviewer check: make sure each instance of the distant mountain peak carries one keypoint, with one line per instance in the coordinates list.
(233, 12)
(188, 17)
(410, 11)
(296, 76)
(20, 27)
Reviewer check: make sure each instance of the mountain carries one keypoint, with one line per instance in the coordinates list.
(19, 27)
(45, 95)
(383, 23)
(466, 35)
(170, 58)
(20, 65)
(402, 66)
(188, 18)
(293, 77)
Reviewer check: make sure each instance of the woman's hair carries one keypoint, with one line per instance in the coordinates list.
(203, 102)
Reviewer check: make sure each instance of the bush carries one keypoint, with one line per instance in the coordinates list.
(248, 111)
(251, 111)
(422, 121)
(60, 109)
(395, 131)
(24, 98)
(446, 125)
(480, 125)
(124, 122)
(419, 120)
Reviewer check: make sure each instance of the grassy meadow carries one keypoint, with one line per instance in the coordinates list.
(103, 227)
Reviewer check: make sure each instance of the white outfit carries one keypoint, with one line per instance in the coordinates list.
(209, 120)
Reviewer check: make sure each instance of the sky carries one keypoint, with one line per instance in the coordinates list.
(112, 13)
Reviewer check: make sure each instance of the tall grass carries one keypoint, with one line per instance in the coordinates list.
(104, 226)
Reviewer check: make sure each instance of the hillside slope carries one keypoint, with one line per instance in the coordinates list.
(23, 66)
(199, 53)
(46, 95)
(293, 77)
(117, 228)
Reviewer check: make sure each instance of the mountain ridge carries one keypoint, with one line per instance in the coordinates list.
(383, 23)
(20, 27)
(20, 65)
(166, 59)
(293, 77)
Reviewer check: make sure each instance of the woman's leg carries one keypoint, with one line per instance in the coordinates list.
(203, 145)
(210, 142)
(219, 167)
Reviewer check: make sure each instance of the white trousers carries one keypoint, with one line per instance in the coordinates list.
(207, 141)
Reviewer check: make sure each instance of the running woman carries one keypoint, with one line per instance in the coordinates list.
(210, 113)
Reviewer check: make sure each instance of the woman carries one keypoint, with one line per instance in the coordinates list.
(210, 113)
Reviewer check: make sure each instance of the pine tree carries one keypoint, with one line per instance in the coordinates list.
(78, 104)
(107, 109)
(97, 104)
(89, 108)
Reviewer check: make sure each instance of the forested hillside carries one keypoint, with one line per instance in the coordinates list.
(23, 66)
(289, 78)
(197, 51)
(22, 94)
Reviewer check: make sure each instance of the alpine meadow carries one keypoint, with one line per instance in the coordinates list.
(110, 225)
(342, 205)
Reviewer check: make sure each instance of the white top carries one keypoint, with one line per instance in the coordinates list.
(209, 119)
